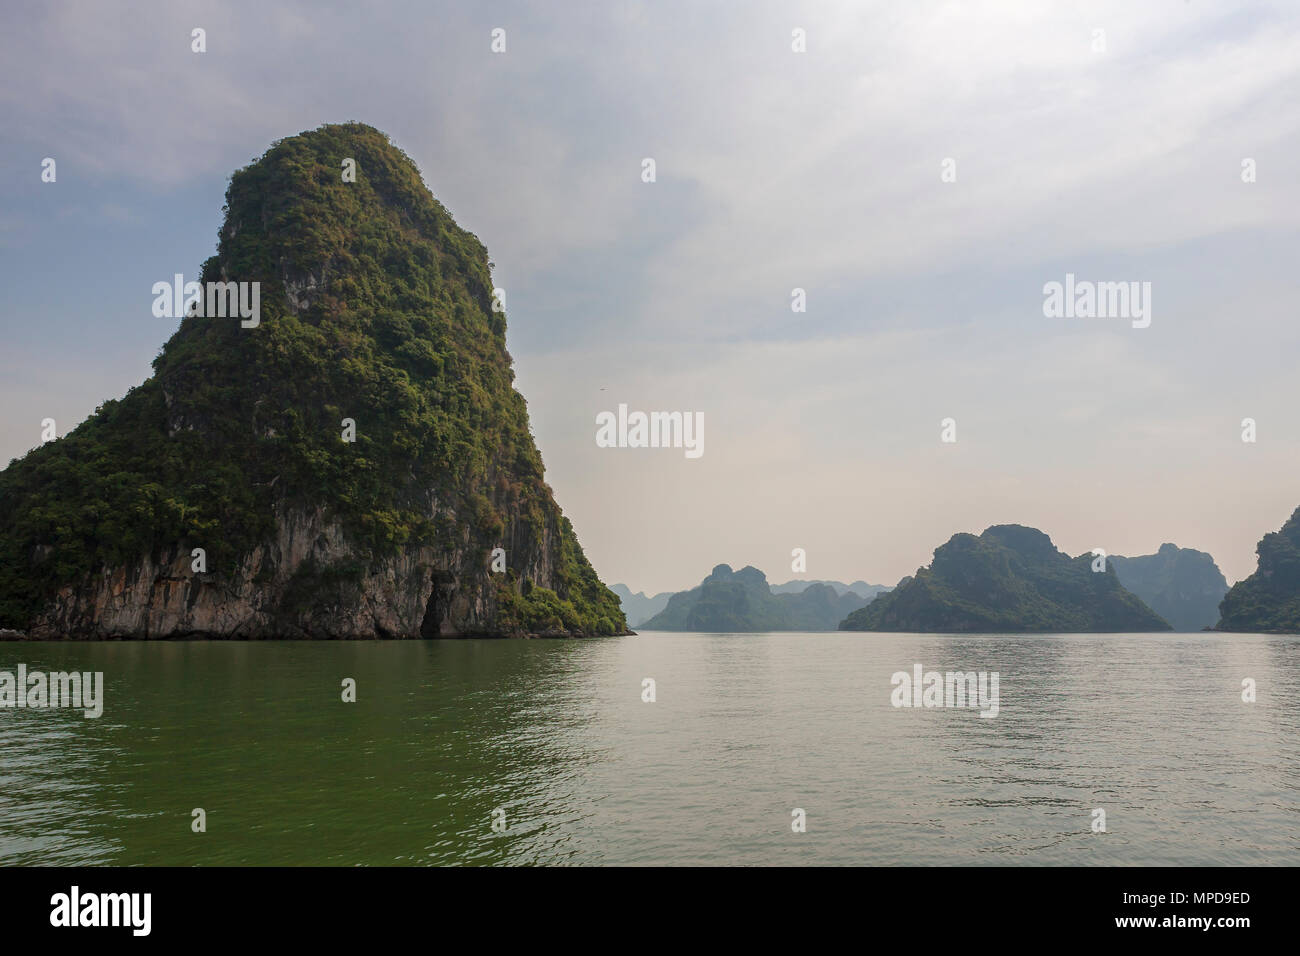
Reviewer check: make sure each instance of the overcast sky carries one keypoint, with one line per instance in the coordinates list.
(776, 170)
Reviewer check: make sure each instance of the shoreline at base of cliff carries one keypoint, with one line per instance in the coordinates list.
(21, 636)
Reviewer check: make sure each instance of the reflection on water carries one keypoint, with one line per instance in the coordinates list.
(745, 728)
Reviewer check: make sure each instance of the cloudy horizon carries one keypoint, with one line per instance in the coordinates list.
(1111, 156)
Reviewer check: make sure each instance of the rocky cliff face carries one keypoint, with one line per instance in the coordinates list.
(1268, 600)
(1182, 585)
(308, 581)
(354, 464)
(1010, 579)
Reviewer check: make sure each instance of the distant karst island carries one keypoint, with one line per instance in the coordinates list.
(730, 601)
(1008, 579)
(1182, 585)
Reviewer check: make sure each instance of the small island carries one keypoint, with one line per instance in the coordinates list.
(1010, 579)
(730, 601)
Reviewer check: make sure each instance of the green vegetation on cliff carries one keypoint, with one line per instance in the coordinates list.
(375, 306)
(1008, 579)
(1268, 600)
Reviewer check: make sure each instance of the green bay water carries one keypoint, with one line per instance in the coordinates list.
(745, 728)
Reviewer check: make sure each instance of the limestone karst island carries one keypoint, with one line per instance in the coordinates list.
(353, 463)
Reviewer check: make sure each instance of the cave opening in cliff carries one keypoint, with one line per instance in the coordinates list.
(439, 603)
